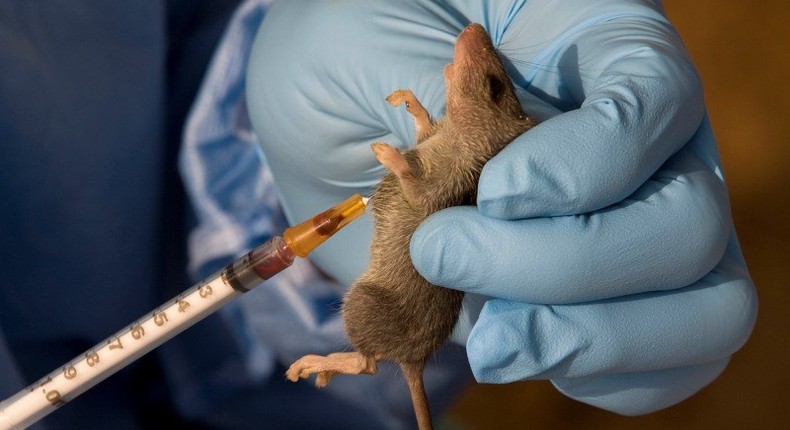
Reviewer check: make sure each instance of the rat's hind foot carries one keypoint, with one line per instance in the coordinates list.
(422, 120)
(348, 363)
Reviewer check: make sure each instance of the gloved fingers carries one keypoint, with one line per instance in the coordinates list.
(706, 321)
(670, 233)
(640, 393)
(470, 312)
(632, 98)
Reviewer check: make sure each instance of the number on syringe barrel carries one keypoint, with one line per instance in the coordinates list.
(160, 318)
(91, 358)
(115, 343)
(205, 291)
(54, 398)
(69, 372)
(137, 332)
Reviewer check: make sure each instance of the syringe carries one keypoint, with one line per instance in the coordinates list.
(88, 369)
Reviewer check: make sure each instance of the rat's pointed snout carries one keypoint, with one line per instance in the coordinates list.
(474, 38)
(474, 32)
(474, 27)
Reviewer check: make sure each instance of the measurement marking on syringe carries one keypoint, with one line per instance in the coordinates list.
(160, 318)
(69, 372)
(115, 343)
(54, 398)
(92, 358)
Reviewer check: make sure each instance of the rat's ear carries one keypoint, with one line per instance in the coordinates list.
(496, 88)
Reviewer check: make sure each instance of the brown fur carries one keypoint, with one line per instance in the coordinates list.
(391, 312)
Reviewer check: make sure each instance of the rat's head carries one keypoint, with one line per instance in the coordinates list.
(476, 80)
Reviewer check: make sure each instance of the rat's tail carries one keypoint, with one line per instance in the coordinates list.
(419, 399)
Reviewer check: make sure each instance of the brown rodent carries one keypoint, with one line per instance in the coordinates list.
(391, 312)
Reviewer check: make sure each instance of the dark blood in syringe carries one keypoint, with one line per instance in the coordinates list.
(272, 264)
(325, 224)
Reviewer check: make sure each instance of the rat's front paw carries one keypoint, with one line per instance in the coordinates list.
(392, 159)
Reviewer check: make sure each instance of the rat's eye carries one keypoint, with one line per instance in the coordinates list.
(496, 88)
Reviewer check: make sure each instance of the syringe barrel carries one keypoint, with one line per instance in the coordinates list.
(116, 352)
(259, 265)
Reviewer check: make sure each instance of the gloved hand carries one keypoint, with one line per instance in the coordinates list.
(603, 234)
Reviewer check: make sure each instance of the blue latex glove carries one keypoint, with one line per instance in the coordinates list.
(604, 233)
